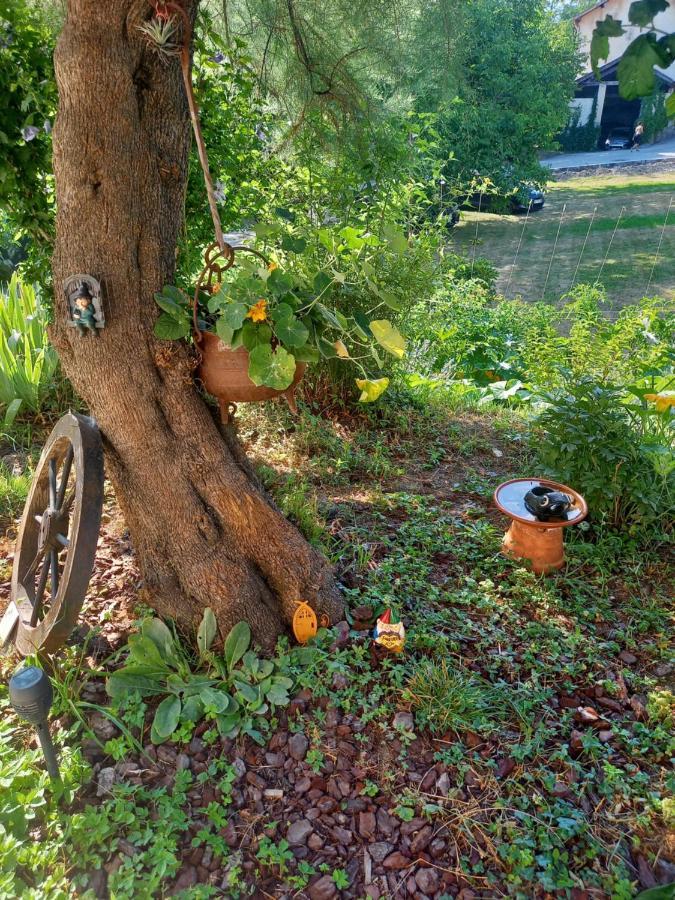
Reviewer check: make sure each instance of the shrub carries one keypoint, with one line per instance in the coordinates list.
(28, 364)
(617, 454)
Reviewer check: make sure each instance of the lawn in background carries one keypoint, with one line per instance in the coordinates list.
(622, 257)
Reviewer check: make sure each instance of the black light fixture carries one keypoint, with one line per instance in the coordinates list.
(31, 695)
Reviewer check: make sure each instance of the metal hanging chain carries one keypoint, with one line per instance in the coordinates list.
(162, 10)
(555, 244)
(658, 249)
(609, 246)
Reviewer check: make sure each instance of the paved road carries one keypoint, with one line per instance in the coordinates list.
(663, 151)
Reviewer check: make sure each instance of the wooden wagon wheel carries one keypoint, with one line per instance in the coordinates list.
(56, 545)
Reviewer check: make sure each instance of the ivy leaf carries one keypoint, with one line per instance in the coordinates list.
(166, 720)
(272, 368)
(169, 329)
(371, 389)
(635, 72)
(609, 27)
(389, 337)
(642, 12)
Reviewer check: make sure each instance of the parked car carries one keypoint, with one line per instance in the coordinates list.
(619, 139)
(526, 197)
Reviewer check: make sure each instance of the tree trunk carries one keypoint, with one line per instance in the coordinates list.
(204, 531)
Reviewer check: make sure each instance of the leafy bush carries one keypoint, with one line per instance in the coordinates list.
(234, 690)
(28, 364)
(618, 454)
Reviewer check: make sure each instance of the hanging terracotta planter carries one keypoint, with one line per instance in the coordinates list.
(222, 370)
(539, 510)
(224, 373)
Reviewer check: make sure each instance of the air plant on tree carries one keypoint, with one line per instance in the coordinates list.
(160, 32)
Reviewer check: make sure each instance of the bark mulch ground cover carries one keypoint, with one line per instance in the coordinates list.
(519, 747)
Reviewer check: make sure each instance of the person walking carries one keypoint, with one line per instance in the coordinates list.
(637, 136)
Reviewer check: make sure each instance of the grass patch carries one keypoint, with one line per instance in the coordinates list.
(542, 256)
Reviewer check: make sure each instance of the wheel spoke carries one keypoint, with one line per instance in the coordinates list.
(33, 566)
(42, 584)
(52, 482)
(63, 540)
(65, 475)
(54, 560)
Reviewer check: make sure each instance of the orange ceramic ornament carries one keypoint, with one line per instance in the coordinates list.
(304, 622)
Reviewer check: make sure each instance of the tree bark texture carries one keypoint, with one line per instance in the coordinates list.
(204, 531)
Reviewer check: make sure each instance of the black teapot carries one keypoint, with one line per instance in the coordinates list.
(546, 503)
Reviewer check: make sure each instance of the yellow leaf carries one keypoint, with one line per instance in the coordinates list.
(341, 350)
(389, 337)
(662, 401)
(371, 390)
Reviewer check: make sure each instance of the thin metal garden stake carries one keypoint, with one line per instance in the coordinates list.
(475, 237)
(555, 244)
(609, 246)
(574, 277)
(515, 258)
(658, 249)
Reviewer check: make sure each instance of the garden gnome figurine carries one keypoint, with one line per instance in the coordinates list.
(84, 315)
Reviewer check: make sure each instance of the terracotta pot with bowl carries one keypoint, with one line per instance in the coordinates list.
(539, 541)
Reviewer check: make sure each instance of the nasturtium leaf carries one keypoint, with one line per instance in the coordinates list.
(233, 314)
(341, 350)
(280, 283)
(364, 326)
(272, 368)
(207, 631)
(371, 389)
(642, 12)
(291, 332)
(293, 244)
(635, 72)
(169, 329)
(224, 332)
(306, 354)
(166, 719)
(236, 644)
(253, 335)
(389, 337)
(604, 30)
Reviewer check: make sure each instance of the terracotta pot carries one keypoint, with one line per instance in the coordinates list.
(539, 543)
(224, 373)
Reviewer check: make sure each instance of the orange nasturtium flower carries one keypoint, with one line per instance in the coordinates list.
(662, 401)
(272, 266)
(258, 312)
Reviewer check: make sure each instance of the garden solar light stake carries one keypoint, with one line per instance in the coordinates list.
(30, 693)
